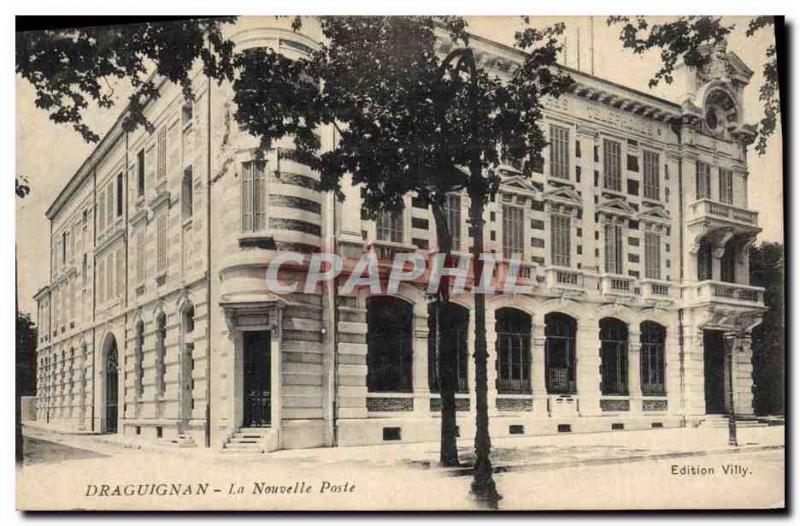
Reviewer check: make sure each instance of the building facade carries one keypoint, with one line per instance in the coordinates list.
(633, 235)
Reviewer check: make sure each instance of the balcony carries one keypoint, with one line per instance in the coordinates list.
(564, 281)
(734, 295)
(720, 221)
(617, 285)
(656, 289)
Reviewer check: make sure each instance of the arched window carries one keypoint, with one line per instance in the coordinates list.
(728, 264)
(614, 356)
(653, 337)
(704, 259)
(560, 353)
(161, 350)
(453, 323)
(138, 357)
(187, 361)
(513, 328)
(389, 327)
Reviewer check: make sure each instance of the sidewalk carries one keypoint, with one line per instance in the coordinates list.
(556, 451)
(508, 454)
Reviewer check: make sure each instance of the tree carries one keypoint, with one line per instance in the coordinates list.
(409, 120)
(767, 270)
(25, 368)
(71, 68)
(681, 39)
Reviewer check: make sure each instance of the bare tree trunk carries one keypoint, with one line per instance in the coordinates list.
(483, 486)
(445, 361)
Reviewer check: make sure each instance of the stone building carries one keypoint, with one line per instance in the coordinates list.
(157, 323)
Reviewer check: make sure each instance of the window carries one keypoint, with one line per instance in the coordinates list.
(728, 264)
(513, 232)
(161, 247)
(186, 193)
(704, 260)
(84, 272)
(513, 351)
(161, 152)
(614, 356)
(726, 186)
(652, 255)
(560, 353)
(120, 193)
(612, 172)
(161, 338)
(651, 175)
(652, 360)
(452, 212)
(614, 249)
(138, 357)
(389, 332)
(389, 226)
(140, 180)
(559, 152)
(140, 257)
(186, 113)
(703, 190)
(448, 334)
(253, 196)
(560, 240)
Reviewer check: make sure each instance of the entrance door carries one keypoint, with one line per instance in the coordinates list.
(257, 375)
(112, 389)
(714, 366)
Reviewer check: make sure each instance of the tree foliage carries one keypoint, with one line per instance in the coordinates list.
(767, 270)
(71, 68)
(680, 40)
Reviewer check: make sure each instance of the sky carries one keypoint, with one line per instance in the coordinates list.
(49, 154)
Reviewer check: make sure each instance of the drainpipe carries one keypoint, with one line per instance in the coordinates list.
(94, 289)
(681, 331)
(208, 264)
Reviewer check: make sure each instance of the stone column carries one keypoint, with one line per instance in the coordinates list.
(422, 393)
(538, 385)
(743, 375)
(694, 372)
(588, 366)
(634, 372)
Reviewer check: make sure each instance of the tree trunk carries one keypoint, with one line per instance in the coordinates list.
(445, 362)
(483, 486)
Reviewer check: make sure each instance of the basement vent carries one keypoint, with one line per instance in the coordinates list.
(391, 433)
(159, 432)
(516, 430)
(564, 428)
(617, 427)
(656, 425)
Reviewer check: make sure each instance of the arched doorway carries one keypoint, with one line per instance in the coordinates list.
(111, 385)
(389, 345)
(614, 356)
(454, 326)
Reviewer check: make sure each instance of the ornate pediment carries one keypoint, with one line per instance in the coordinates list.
(520, 185)
(563, 199)
(616, 207)
(654, 216)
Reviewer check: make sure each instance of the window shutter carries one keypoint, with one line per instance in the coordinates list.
(247, 197)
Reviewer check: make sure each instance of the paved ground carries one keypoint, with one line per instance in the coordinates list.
(604, 470)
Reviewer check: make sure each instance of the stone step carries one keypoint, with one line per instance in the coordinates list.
(243, 447)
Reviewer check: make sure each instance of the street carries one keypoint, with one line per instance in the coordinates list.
(62, 470)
